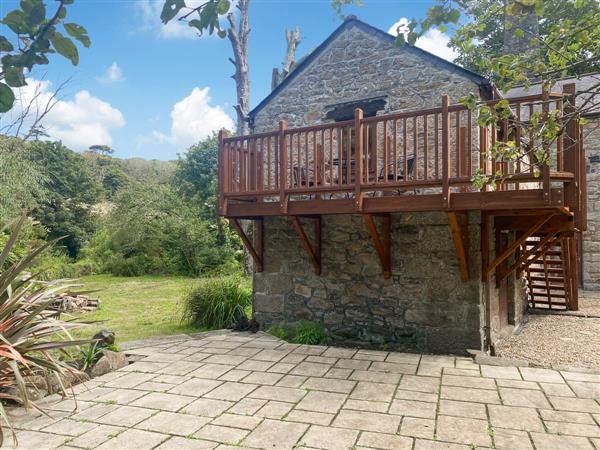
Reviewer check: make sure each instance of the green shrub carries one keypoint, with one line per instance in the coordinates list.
(217, 302)
(278, 331)
(311, 333)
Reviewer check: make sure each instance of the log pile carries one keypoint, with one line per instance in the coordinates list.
(75, 303)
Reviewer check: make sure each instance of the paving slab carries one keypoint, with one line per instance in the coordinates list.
(225, 391)
(329, 438)
(173, 423)
(324, 402)
(134, 439)
(275, 434)
(96, 436)
(179, 443)
(207, 407)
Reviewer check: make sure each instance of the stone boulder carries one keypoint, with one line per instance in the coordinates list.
(105, 337)
(109, 362)
(69, 378)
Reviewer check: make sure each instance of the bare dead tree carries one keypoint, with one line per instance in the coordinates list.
(28, 122)
(293, 39)
(238, 36)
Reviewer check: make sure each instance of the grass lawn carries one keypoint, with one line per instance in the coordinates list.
(137, 307)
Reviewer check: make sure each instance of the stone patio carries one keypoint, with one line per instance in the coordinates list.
(236, 390)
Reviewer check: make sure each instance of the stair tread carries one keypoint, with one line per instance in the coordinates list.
(550, 279)
(541, 269)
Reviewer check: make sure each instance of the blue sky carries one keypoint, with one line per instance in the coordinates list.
(150, 91)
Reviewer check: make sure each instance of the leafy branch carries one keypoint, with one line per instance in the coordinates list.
(35, 37)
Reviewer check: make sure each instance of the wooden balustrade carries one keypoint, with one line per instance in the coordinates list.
(435, 151)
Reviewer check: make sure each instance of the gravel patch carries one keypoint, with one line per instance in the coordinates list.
(559, 339)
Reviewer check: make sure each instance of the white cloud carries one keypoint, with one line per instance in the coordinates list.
(434, 41)
(113, 74)
(192, 119)
(78, 123)
(149, 13)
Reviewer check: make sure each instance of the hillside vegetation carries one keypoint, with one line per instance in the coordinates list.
(123, 217)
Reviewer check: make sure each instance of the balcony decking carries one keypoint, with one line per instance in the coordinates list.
(421, 160)
(413, 161)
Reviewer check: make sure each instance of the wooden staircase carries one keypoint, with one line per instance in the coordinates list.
(551, 273)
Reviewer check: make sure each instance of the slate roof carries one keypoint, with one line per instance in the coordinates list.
(583, 83)
(350, 22)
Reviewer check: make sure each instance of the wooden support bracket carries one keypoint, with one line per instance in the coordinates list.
(314, 251)
(256, 250)
(459, 226)
(382, 244)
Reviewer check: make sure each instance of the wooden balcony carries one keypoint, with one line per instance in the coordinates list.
(421, 160)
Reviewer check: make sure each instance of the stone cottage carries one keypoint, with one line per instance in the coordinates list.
(431, 296)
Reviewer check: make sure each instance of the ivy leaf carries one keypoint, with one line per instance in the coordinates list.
(170, 9)
(5, 45)
(65, 47)
(14, 77)
(79, 33)
(7, 98)
(17, 21)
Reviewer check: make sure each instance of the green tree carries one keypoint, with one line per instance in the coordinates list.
(196, 173)
(195, 178)
(72, 191)
(152, 229)
(35, 35)
(559, 38)
(114, 179)
(102, 149)
(22, 183)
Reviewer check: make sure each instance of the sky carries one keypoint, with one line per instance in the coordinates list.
(150, 90)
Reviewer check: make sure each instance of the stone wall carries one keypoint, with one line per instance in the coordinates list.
(424, 305)
(591, 238)
(358, 65)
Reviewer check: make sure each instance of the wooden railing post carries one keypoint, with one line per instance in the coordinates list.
(282, 166)
(546, 184)
(358, 157)
(465, 155)
(222, 183)
(446, 151)
(571, 155)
